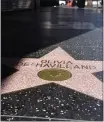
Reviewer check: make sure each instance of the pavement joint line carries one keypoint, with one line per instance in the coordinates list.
(35, 117)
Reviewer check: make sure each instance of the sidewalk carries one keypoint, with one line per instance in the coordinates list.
(86, 7)
(52, 65)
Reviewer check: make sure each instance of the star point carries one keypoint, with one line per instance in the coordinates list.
(82, 79)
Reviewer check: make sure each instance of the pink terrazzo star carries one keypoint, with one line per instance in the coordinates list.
(82, 79)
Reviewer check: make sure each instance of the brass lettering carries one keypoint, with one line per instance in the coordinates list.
(48, 61)
(84, 67)
(53, 65)
(21, 64)
(40, 65)
(64, 62)
(26, 64)
(46, 65)
(59, 62)
(33, 64)
(68, 65)
(54, 61)
(60, 66)
(69, 62)
(76, 66)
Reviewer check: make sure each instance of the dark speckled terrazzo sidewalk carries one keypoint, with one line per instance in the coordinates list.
(58, 102)
(31, 34)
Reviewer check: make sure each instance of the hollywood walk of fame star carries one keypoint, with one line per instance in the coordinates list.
(82, 79)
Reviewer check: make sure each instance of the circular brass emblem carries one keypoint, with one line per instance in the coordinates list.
(54, 74)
